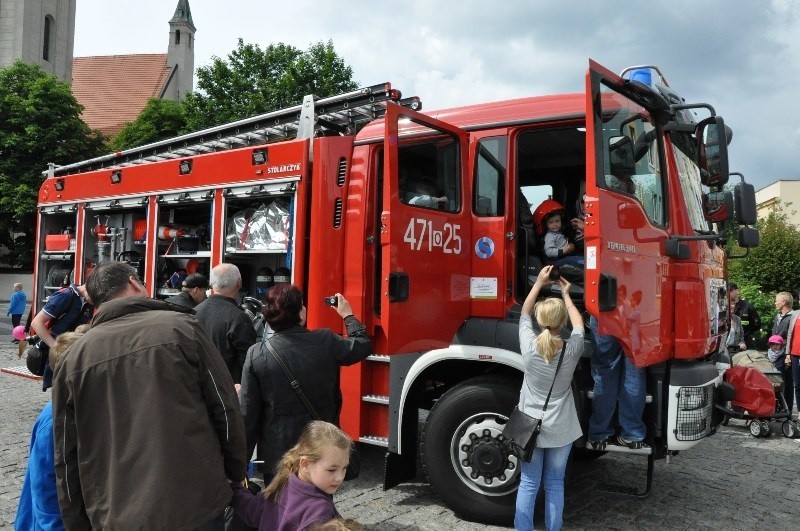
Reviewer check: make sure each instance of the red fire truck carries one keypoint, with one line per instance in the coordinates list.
(423, 222)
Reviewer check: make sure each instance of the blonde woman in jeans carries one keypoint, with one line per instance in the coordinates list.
(560, 425)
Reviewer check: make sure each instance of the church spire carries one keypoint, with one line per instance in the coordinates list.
(183, 13)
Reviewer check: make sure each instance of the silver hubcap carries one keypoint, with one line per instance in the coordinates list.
(479, 457)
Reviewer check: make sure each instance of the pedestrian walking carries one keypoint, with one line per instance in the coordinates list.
(16, 307)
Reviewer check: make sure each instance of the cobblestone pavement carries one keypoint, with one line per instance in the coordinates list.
(729, 481)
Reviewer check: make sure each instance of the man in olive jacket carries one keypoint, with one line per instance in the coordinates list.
(146, 419)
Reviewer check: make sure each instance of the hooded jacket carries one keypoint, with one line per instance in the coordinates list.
(146, 422)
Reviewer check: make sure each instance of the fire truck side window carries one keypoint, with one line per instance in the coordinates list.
(429, 175)
(632, 161)
(490, 176)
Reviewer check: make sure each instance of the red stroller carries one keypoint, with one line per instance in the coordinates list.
(758, 395)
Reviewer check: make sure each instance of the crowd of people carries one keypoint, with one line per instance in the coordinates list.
(172, 401)
(231, 394)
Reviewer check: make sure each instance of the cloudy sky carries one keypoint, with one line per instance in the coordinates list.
(741, 56)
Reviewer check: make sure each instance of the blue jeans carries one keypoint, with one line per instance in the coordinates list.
(573, 260)
(549, 464)
(615, 378)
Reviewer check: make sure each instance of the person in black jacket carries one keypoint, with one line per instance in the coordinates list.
(193, 291)
(751, 321)
(275, 414)
(228, 326)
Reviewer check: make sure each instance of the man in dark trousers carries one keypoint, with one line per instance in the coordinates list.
(228, 326)
(780, 326)
(751, 321)
(193, 291)
(147, 426)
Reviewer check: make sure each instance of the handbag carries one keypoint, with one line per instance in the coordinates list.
(354, 468)
(522, 430)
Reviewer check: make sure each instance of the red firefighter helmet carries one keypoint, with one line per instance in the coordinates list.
(546, 209)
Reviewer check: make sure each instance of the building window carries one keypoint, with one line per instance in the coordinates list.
(177, 36)
(48, 41)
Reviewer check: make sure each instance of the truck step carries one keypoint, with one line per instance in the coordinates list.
(374, 440)
(590, 396)
(383, 358)
(623, 449)
(376, 399)
(628, 490)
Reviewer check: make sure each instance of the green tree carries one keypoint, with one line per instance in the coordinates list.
(159, 120)
(254, 81)
(771, 267)
(39, 123)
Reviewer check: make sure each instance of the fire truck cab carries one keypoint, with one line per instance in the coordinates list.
(423, 221)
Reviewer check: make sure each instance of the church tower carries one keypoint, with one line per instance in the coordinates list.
(39, 32)
(180, 54)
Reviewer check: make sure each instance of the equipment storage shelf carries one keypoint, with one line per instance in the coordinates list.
(57, 249)
(258, 226)
(111, 231)
(183, 238)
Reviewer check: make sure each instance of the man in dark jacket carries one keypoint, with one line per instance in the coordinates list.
(751, 321)
(193, 291)
(147, 425)
(226, 324)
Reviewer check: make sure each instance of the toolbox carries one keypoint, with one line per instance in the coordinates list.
(57, 242)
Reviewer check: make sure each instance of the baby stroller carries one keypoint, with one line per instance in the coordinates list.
(758, 395)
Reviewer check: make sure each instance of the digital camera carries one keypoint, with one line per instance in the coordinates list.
(331, 301)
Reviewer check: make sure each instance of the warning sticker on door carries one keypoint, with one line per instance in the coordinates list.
(483, 288)
(591, 257)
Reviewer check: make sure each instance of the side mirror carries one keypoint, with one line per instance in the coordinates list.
(630, 216)
(745, 202)
(718, 206)
(712, 140)
(748, 237)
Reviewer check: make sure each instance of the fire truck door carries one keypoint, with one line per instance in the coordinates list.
(424, 232)
(626, 204)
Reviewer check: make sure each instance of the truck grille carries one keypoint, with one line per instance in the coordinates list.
(695, 407)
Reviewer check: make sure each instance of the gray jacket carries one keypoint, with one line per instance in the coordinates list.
(560, 425)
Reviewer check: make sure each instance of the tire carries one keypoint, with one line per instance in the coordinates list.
(725, 420)
(755, 428)
(463, 454)
(766, 429)
(787, 428)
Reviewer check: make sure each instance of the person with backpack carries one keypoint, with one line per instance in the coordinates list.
(63, 312)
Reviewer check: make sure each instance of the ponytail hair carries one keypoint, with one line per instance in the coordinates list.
(318, 436)
(551, 314)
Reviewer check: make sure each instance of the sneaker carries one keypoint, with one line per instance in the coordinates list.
(598, 445)
(633, 445)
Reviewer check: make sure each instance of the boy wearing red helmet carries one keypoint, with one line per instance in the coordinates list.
(548, 218)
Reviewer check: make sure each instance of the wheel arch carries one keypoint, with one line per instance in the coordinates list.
(421, 378)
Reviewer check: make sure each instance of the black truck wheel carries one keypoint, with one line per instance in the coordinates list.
(463, 453)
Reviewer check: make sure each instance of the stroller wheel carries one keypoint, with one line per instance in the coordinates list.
(725, 420)
(755, 428)
(765, 428)
(788, 428)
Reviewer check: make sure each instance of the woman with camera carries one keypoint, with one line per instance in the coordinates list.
(549, 363)
(275, 412)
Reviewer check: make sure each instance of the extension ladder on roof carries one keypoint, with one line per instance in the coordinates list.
(342, 115)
